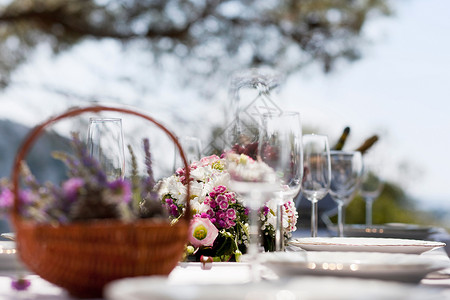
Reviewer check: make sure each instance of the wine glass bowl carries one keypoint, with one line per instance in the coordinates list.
(346, 168)
(317, 173)
(281, 149)
(105, 143)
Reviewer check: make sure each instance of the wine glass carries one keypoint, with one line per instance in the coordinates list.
(317, 173)
(281, 149)
(250, 177)
(346, 168)
(192, 147)
(105, 143)
(252, 94)
(370, 189)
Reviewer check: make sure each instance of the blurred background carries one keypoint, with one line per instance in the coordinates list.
(379, 67)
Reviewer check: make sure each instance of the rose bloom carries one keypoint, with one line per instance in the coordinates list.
(202, 232)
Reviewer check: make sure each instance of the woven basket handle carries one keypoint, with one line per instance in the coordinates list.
(39, 129)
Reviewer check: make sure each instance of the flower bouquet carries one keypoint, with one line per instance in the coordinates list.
(87, 194)
(219, 227)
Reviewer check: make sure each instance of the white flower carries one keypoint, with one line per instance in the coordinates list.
(203, 173)
(219, 178)
(244, 168)
(198, 207)
(197, 190)
(173, 186)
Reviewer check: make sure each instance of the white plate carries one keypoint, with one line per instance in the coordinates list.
(385, 266)
(305, 288)
(357, 244)
(9, 235)
(390, 230)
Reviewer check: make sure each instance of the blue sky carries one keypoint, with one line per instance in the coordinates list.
(399, 90)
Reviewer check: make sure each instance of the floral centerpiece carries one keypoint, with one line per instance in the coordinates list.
(218, 229)
(220, 219)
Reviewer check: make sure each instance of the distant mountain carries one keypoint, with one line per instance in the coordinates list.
(43, 166)
(39, 159)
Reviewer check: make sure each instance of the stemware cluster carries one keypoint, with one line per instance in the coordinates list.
(279, 161)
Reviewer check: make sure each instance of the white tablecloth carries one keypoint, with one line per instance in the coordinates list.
(227, 273)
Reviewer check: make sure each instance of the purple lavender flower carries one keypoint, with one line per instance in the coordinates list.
(122, 188)
(148, 163)
(26, 196)
(265, 210)
(71, 188)
(6, 199)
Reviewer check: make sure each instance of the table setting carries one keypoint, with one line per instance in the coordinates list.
(220, 226)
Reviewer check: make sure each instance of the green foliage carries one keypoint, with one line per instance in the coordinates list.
(392, 206)
(205, 35)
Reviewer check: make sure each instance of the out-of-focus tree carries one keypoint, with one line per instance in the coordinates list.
(206, 36)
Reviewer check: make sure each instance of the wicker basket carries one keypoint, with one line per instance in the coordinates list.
(83, 257)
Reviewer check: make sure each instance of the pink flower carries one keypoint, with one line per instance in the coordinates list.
(202, 232)
(231, 197)
(220, 189)
(208, 160)
(221, 214)
(231, 214)
(223, 203)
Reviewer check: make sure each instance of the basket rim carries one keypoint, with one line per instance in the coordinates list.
(35, 132)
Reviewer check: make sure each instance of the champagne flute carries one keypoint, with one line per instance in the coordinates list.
(281, 149)
(317, 173)
(346, 168)
(370, 189)
(105, 143)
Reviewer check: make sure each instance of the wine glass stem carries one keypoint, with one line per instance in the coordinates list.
(341, 219)
(279, 234)
(369, 202)
(255, 198)
(314, 217)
